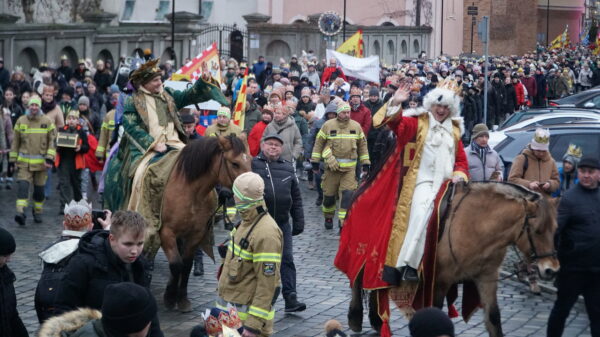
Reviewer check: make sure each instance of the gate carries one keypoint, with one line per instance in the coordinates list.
(231, 40)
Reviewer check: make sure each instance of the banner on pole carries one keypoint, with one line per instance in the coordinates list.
(362, 68)
(192, 70)
(353, 46)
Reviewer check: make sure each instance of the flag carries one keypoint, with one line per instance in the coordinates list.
(193, 69)
(596, 50)
(561, 41)
(353, 46)
(239, 112)
(362, 68)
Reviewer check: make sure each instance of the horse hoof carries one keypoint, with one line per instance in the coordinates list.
(355, 320)
(169, 302)
(184, 305)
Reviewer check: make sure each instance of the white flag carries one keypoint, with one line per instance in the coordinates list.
(363, 68)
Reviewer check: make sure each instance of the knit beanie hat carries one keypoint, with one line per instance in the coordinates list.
(7, 242)
(84, 100)
(430, 322)
(343, 106)
(480, 130)
(35, 100)
(541, 140)
(573, 154)
(374, 91)
(248, 188)
(127, 308)
(224, 111)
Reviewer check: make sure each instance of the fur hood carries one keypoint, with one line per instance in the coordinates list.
(68, 322)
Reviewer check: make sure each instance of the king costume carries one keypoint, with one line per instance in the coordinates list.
(386, 225)
(149, 119)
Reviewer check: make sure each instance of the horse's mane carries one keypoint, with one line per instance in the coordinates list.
(508, 190)
(196, 157)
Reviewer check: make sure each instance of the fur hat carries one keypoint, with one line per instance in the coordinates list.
(440, 96)
(541, 140)
(146, 72)
(7, 242)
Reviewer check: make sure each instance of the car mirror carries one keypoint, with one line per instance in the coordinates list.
(589, 105)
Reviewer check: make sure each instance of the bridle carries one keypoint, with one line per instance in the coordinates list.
(526, 228)
(221, 162)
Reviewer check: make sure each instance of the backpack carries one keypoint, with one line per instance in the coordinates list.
(47, 288)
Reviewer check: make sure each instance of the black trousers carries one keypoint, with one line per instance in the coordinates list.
(69, 182)
(288, 268)
(570, 285)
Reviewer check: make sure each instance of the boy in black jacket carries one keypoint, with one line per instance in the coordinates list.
(106, 258)
(10, 322)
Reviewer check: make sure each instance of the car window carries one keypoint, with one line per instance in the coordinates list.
(510, 147)
(557, 120)
(573, 99)
(595, 101)
(589, 143)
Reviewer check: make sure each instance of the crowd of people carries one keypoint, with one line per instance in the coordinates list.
(304, 121)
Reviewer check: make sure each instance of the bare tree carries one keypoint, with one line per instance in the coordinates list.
(28, 10)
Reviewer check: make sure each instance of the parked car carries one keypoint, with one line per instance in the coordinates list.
(584, 134)
(562, 116)
(522, 115)
(589, 99)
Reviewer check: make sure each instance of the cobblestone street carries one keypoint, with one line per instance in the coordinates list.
(324, 289)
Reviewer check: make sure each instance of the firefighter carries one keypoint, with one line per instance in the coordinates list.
(106, 130)
(340, 143)
(33, 150)
(224, 125)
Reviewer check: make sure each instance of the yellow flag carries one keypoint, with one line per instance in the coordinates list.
(353, 46)
(561, 41)
(239, 111)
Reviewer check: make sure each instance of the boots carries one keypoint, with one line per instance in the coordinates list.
(198, 264)
(20, 218)
(292, 304)
(37, 218)
(328, 223)
(319, 200)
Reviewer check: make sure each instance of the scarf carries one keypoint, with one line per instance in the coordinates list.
(46, 107)
(481, 151)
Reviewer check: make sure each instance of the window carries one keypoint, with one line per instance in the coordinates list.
(589, 143)
(163, 8)
(128, 10)
(595, 102)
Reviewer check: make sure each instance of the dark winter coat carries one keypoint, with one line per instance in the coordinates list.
(577, 238)
(373, 132)
(540, 82)
(92, 269)
(10, 322)
(282, 192)
(511, 98)
(496, 100)
(102, 80)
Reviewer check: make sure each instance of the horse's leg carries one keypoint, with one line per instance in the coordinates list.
(439, 294)
(169, 246)
(188, 251)
(355, 312)
(487, 293)
(374, 318)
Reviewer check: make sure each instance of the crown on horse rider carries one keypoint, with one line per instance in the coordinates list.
(146, 72)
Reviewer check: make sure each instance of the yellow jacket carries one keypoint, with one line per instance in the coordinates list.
(108, 126)
(219, 130)
(344, 140)
(251, 271)
(34, 142)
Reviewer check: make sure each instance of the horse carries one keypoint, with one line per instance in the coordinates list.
(189, 202)
(484, 219)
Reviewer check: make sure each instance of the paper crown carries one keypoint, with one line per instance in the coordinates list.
(542, 136)
(73, 112)
(78, 215)
(64, 57)
(574, 151)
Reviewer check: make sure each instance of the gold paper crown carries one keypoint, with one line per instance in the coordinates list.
(146, 72)
(574, 151)
(81, 61)
(542, 136)
(64, 57)
(74, 112)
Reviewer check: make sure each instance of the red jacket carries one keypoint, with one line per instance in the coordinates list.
(520, 90)
(530, 85)
(327, 74)
(362, 115)
(255, 136)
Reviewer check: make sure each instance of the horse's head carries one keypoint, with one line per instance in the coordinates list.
(235, 159)
(536, 239)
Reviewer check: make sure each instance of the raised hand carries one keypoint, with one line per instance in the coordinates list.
(402, 94)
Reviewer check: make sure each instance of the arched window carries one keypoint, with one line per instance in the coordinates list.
(106, 56)
(27, 59)
(376, 48)
(167, 55)
(70, 54)
(416, 48)
(138, 52)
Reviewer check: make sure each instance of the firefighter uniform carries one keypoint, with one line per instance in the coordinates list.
(106, 130)
(340, 144)
(251, 271)
(33, 146)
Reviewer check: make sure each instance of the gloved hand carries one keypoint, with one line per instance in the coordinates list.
(366, 168)
(316, 168)
(332, 163)
(297, 228)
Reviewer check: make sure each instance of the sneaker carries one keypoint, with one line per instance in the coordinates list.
(292, 304)
(20, 218)
(328, 223)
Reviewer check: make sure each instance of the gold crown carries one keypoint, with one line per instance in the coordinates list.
(542, 136)
(574, 151)
(64, 57)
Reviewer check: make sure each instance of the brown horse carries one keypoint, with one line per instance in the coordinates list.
(484, 219)
(189, 201)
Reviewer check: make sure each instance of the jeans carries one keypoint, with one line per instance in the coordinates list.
(571, 284)
(288, 269)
